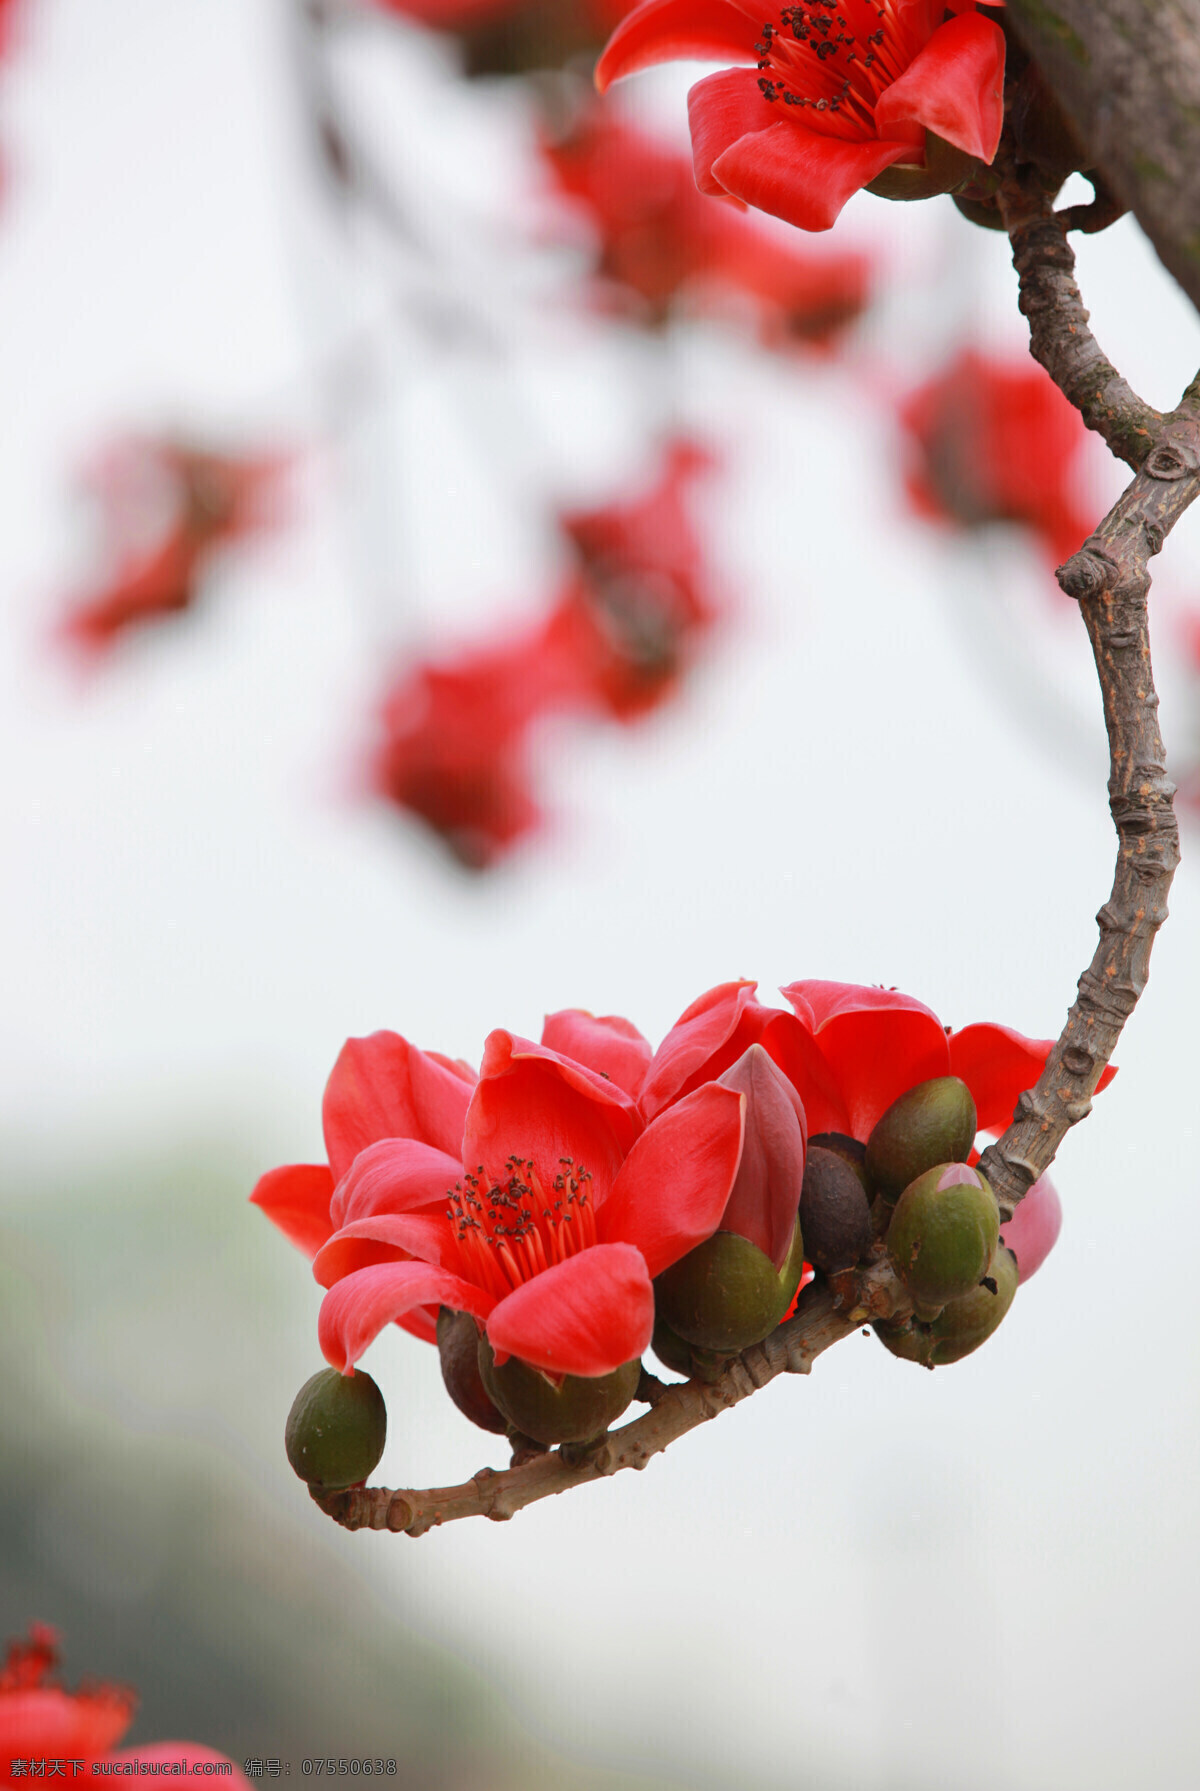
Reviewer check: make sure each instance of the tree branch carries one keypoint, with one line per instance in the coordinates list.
(1127, 73)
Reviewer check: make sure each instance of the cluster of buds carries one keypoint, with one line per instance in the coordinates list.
(584, 1199)
(623, 629)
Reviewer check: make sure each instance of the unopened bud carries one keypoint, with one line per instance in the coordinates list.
(962, 1325)
(576, 1409)
(834, 1212)
(943, 1235)
(458, 1347)
(336, 1429)
(725, 1294)
(932, 1123)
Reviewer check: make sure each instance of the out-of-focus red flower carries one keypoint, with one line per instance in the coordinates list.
(660, 240)
(168, 506)
(455, 747)
(39, 1720)
(627, 627)
(996, 441)
(507, 37)
(834, 95)
(547, 1218)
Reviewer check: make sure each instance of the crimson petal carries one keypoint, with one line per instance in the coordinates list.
(383, 1087)
(799, 175)
(606, 1043)
(878, 1044)
(954, 86)
(675, 1183)
(586, 1315)
(705, 1039)
(799, 1056)
(765, 1198)
(672, 30)
(536, 1106)
(297, 1199)
(428, 1237)
(723, 108)
(997, 1064)
(355, 1310)
(397, 1175)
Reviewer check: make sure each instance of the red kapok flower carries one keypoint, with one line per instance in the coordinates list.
(835, 94)
(996, 441)
(39, 1720)
(168, 506)
(660, 241)
(546, 1223)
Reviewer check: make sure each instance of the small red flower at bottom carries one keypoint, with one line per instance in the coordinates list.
(39, 1720)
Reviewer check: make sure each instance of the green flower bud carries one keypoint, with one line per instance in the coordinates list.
(834, 1211)
(336, 1429)
(933, 1123)
(962, 1325)
(945, 169)
(676, 1353)
(850, 1150)
(579, 1409)
(458, 1347)
(725, 1294)
(943, 1235)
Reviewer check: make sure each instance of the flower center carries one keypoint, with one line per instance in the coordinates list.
(835, 62)
(511, 1230)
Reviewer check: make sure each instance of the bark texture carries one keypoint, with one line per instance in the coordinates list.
(1127, 72)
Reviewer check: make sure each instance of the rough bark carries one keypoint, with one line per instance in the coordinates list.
(1127, 72)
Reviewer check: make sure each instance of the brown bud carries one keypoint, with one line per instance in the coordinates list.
(834, 1214)
(458, 1347)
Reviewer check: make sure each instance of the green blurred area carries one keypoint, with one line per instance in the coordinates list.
(141, 1343)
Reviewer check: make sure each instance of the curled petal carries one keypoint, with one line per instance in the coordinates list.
(534, 1105)
(383, 1087)
(707, 1037)
(816, 1002)
(387, 1237)
(670, 30)
(397, 1175)
(953, 86)
(358, 1307)
(676, 1181)
(607, 1044)
(765, 1198)
(586, 1315)
(297, 1199)
(723, 108)
(878, 1044)
(801, 176)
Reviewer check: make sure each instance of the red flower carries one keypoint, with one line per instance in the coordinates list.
(168, 506)
(626, 628)
(996, 441)
(455, 749)
(660, 239)
(39, 1720)
(834, 95)
(546, 1220)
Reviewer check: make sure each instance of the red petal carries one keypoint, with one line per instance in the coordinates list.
(766, 1193)
(673, 30)
(296, 1198)
(723, 108)
(613, 1047)
(45, 1720)
(533, 1104)
(798, 1055)
(877, 1043)
(428, 1237)
(355, 1311)
(996, 1064)
(706, 1039)
(383, 1087)
(587, 1315)
(954, 86)
(817, 1002)
(675, 1183)
(799, 176)
(397, 1175)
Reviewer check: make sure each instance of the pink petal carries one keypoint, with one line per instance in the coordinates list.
(676, 1181)
(766, 1193)
(586, 1315)
(613, 1047)
(428, 1237)
(383, 1087)
(397, 1175)
(996, 1064)
(297, 1199)
(723, 108)
(1033, 1230)
(706, 1039)
(355, 1310)
(674, 30)
(954, 86)
(799, 175)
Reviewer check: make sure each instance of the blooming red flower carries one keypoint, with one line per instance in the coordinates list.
(996, 441)
(168, 506)
(623, 632)
(660, 239)
(834, 96)
(547, 1217)
(39, 1720)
